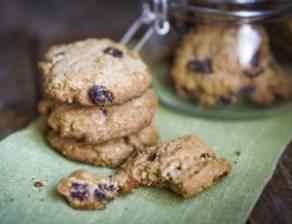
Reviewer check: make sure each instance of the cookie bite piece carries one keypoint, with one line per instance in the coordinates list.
(109, 154)
(186, 166)
(84, 190)
(96, 125)
(93, 72)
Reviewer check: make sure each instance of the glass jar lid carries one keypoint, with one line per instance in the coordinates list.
(243, 10)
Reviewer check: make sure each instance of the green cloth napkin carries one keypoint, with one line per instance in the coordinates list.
(253, 147)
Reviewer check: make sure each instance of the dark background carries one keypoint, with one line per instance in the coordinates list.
(28, 27)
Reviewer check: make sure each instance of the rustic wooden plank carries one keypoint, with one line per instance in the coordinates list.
(17, 82)
(275, 204)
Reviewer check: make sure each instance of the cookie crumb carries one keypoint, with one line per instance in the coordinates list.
(39, 184)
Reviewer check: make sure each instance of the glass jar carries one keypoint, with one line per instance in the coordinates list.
(225, 59)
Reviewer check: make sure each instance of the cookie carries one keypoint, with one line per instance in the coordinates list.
(187, 166)
(275, 84)
(110, 154)
(206, 66)
(219, 64)
(97, 124)
(93, 72)
(84, 190)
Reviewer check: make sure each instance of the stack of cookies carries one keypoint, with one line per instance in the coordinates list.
(98, 102)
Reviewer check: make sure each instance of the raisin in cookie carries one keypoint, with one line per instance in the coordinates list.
(96, 124)
(110, 154)
(84, 190)
(218, 64)
(94, 72)
(186, 166)
(206, 66)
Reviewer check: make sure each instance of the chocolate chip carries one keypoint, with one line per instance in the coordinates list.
(205, 156)
(99, 195)
(201, 66)
(113, 52)
(111, 187)
(152, 157)
(38, 184)
(79, 191)
(106, 187)
(100, 95)
(225, 100)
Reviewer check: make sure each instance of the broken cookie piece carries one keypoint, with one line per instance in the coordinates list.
(186, 166)
(84, 190)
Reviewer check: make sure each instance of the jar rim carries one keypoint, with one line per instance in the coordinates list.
(272, 3)
(243, 10)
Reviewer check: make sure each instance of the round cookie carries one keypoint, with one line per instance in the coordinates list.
(215, 64)
(97, 124)
(94, 72)
(110, 154)
(273, 84)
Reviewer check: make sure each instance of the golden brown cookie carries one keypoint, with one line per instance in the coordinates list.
(220, 63)
(110, 154)
(206, 66)
(272, 85)
(96, 124)
(84, 190)
(186, 165)
(94, 72)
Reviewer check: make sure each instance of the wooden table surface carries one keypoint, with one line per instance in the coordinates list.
(28, 27)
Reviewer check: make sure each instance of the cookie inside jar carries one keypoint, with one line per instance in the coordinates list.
(226, 56)
(220, 64)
